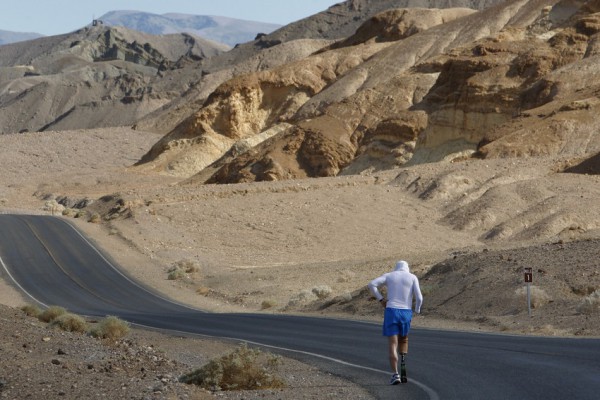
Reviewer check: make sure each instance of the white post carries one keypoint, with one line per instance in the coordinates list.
(529, 298)
(528, 279)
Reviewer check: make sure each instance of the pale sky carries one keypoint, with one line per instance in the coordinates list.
(53, 17)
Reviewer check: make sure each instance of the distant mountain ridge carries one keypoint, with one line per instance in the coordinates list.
(7, 37)
(225, 30)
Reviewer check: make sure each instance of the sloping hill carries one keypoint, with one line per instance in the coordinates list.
(7, 37)
(293, 42)
(93, 77)
(343, 19)
(516, 79)
(225, 30)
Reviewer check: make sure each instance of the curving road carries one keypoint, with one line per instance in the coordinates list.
(49, 260)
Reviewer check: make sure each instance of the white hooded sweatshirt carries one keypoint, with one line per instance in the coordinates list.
(402, 286)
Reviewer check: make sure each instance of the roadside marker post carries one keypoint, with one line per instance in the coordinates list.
(528, 279)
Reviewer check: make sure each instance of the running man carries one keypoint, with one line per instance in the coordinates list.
(402, 288)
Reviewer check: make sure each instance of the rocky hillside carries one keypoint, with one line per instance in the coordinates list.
(292, 42)
(7, 37)
(410, 86)
(343, 19)
(96, 76)
(225, 30)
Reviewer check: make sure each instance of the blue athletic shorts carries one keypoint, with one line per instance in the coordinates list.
(396, 322)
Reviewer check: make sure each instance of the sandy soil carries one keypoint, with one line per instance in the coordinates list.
(274, 246)
(310, 246)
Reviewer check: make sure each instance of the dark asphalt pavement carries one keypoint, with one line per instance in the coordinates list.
(54, 264)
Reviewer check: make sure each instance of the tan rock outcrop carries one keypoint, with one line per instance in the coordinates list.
(514, 80)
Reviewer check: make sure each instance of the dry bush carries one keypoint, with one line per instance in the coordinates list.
(176, 274)
(305, 296)
(188, 266)
(111, 328)
(51, 313)
(590, 304)
(70, 323)
(182, 269)
(268, 304)
(243, 369)
(68, 212)
(31, 310)
(95, 219)
(203, 291)
(538, 296)
(322, 292)
(53, 207)
(346, 276)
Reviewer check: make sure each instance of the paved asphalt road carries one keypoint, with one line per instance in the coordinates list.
(55, 265)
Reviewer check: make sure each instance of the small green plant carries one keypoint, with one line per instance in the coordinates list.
(51, 313)
(31, 310)
(111, 328)
(70, 323)
(176, 274)
(243, 369)
(182, 269)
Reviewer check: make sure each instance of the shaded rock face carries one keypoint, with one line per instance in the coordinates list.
(590, 166)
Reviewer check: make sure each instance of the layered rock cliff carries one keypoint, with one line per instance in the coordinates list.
(411, 86)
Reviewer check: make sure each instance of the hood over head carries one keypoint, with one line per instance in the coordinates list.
(402, 266)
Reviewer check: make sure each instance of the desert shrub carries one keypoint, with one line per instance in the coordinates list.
(590, 304)
(53, 206)
(68, 212)
(305, 296)
(111, 328)
(181, 269)
(80, 214)
(70, 323)
(268, 304)
(31, 310)
(176, 274)
(95, 218)
(346, 276)
(187, 265)
(538, 296)
(322, 292)
(243, 369)
(51, 313)
(203, 291)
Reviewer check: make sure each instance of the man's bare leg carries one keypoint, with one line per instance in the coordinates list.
(393, 352)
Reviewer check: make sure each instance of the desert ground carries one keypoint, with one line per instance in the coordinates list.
(310, 246)
(292, 246)
(463, 143)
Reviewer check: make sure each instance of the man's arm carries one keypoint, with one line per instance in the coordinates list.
(374, 287)
(418, 295)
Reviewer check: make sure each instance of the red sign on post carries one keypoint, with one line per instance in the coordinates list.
(528, 275)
